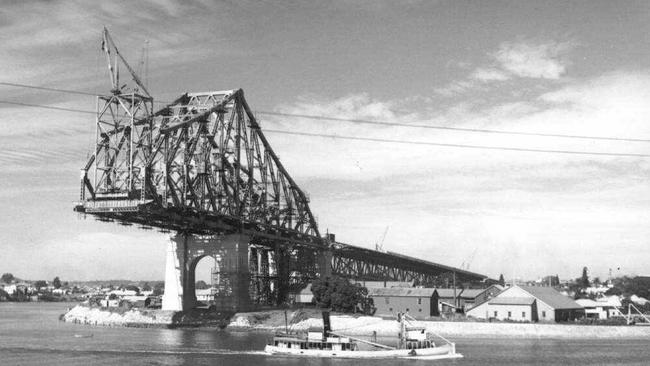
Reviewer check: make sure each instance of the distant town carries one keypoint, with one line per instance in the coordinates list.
(615, 301)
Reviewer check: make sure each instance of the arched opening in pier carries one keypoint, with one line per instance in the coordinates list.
(204, 277)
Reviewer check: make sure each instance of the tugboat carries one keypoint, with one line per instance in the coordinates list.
(414, 342)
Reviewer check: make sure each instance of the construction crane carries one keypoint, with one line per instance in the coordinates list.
(465, 264)
(379, 245)
(112, 55)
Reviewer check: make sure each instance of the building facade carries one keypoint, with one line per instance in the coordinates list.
(420, 303)
(528, 303)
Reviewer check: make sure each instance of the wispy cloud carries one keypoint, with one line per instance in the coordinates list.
(533, 60)
(514, 60)
(489, 74)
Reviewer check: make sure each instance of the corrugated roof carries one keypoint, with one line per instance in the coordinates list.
(401, 292)
(472, 293)
(448, 292)
(551, 297)
(512, 301)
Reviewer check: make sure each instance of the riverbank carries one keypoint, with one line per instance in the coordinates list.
(366, 326)
(362, 326)
(144, 318)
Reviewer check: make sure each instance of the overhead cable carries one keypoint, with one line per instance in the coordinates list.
(382, 123)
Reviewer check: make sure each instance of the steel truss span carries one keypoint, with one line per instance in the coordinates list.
(201, 165)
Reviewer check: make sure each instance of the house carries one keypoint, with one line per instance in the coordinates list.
(603, 308)
(420, 303)
(204, 295)
(304, 296)
(10, 289)
(468, 298)
(528, 303)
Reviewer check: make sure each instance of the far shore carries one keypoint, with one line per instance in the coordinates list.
(353, 325)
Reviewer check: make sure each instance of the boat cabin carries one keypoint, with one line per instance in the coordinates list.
(417, 338)
(316, 339)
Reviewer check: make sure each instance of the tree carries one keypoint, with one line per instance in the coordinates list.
(146, 287)
(584, 280)
(159, 289)
(56, 282)
(502, 280)
(133, 288)
(7, 278)
(339, 294)
(40, 283)
(201, 285)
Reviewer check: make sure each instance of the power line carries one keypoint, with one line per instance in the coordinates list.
(371, 139)
(379, 123)
(48, 89)
(46, 107)
(436, 127)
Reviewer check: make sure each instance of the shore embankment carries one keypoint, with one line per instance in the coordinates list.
(82, 314)
(368, 326)
(362, 326)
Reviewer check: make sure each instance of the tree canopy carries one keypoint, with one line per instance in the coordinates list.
(584, 280)
(7, 277)
(56, 282)
(339, 294)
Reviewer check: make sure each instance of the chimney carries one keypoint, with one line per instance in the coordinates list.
(326, 323)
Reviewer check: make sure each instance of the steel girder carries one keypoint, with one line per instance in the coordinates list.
(371, 265)
(200, 164)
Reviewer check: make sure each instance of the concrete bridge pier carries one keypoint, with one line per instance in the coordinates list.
(184, 251)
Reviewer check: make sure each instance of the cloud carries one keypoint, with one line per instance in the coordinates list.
(513, 60)
(533, 60)
(489, 74)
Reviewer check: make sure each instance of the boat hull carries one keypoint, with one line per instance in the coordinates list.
(445, 351)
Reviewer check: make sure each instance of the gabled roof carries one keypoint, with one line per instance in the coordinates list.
(401, 292)
(448, 292)
(471, 293)
(512, 301)
(551, 297)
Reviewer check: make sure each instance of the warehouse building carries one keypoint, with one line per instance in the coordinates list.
(528, 303)
(420, 303)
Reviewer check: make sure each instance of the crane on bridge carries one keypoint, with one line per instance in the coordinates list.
(379, 245)
(465, 264)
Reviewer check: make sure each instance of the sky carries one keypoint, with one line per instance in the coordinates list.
(553, 67)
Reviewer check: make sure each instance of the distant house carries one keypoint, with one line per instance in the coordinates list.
(603, 308)
(420, 303)
(10, 289)
(204, 295)
(304, 296)
(528, 303)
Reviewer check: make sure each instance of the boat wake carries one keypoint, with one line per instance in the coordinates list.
(137, 351)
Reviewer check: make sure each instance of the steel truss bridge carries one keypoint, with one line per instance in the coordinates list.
(201, 165)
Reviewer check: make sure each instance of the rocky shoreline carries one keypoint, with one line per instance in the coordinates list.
(362, 326)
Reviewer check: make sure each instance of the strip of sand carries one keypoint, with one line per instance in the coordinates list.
(367, 326)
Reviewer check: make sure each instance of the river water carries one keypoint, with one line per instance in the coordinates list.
(31, 334)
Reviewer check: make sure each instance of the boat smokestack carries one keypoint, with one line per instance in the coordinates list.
(327, 328)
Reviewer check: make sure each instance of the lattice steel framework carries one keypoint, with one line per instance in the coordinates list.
(201, 165)
(203, 157)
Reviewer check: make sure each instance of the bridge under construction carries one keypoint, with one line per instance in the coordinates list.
(201, 168)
